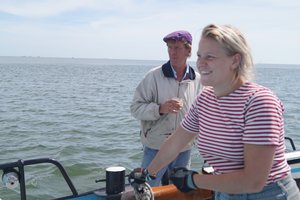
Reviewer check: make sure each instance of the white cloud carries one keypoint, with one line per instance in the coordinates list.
(46, 8)
(134, 29)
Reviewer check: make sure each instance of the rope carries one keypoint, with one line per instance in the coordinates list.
(143, 192)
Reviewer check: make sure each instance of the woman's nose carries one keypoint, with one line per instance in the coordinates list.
(200, 63)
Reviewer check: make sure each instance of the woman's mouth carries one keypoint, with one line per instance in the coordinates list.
(205, 72)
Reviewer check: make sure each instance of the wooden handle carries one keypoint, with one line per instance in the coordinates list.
(171, 192)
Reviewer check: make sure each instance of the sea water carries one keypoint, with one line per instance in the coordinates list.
(77, 112)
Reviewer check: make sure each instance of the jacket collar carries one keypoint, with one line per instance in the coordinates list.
(168, 72)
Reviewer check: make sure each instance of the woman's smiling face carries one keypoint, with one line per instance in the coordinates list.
(216, 68)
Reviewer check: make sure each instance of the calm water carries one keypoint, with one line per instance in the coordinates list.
(77, 111)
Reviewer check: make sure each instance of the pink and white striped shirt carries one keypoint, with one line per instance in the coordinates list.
(251, 114)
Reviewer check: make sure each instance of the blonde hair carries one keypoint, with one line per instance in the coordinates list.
(233, 42)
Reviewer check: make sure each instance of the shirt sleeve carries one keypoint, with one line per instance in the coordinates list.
(263, 119)
(191, 120)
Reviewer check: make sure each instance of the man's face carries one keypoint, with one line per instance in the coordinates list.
(178, 53)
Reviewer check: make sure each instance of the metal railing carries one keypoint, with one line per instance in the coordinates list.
(19, 165)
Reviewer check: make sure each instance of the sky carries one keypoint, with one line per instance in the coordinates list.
(133, 29)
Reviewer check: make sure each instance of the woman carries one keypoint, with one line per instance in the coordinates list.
(238, 125)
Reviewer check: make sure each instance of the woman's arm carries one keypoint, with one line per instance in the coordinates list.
(170, 149)
(258, 162)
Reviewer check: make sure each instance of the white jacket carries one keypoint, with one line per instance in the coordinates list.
(158, 86)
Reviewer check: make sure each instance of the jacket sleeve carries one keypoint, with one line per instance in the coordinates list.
(144, 105)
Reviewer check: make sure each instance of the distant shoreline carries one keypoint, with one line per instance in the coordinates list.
(17, 59)
(77, 58)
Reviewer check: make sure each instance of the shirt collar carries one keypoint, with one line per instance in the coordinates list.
(168, 71)
(187, 70)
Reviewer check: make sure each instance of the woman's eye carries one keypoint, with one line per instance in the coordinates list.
(206, 57)
(209, 57)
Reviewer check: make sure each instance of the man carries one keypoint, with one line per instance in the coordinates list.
(163, 97)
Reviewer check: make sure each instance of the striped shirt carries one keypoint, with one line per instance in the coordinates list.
(251, 114)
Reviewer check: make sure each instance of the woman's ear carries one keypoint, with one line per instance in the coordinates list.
(236, 61)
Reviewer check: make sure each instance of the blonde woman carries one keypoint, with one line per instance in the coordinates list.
(238, 124)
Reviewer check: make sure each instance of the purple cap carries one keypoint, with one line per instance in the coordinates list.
(179, 35)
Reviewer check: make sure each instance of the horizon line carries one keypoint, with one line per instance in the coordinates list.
(128, 59)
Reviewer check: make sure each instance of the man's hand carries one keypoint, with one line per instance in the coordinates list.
(139, 176)
(182, 178)
(173, 105)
